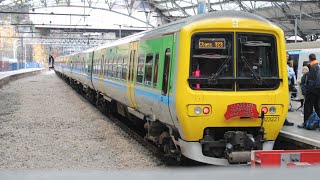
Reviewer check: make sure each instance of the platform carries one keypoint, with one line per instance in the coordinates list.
(309, 137)
(7, 76)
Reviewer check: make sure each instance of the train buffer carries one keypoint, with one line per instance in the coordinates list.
(285, 158)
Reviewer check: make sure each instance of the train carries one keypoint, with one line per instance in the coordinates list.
(211, 87)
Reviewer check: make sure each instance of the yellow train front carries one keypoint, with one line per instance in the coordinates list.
(231, 87)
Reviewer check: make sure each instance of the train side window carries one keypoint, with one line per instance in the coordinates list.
(102, 65)
(114, 67)
(155, 70)
(124, 68)
(133, 59)
(130, 66)
(148, 69)
(110, 67)
(140, 72)
(105, 73)
(93, 68)
(97, 67)
(165, 77)
(83, 65)
(119, 65)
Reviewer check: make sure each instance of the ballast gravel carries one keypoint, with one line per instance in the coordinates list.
(44, 123)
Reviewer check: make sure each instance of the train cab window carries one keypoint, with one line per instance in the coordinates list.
(148, 69)
(257, 63)
(140, 68)
(155, 71)
(119, 65)
(165, 78)
(124, 68)
(212, 61)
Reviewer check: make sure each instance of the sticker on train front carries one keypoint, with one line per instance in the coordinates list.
(242, 110)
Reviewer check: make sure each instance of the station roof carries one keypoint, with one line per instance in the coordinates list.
(302, 15)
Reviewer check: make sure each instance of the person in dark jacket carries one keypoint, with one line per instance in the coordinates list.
(51, 61)
(312, 91)
(303, 89)
(304, 79)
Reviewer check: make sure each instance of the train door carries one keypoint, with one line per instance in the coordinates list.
(130, 82)
(164, 101)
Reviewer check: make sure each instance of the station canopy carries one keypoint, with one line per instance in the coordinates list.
(300, 16)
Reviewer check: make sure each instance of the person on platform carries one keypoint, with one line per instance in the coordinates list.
(302, 86)
(291, 75)
(51, 61)
(312, 94)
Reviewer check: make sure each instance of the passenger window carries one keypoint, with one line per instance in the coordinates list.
(114, 67)
(83, 66)
(102, 65)
(109, 71)
(148, 69)
(155, 70)
(119, 64)
(165, 77)
(133, 59)
(97, 67)
(140, 68)
(110, 67)
(124, 68)
(130, 67)
(106, 65)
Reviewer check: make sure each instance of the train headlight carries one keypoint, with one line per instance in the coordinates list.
(272, 110)
(197, 110)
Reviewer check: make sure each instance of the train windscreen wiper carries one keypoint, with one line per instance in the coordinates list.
(257, 77)
(214, 78)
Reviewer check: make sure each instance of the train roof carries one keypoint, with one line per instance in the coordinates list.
(178, 25)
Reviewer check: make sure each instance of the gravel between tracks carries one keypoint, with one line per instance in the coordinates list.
(44, 123)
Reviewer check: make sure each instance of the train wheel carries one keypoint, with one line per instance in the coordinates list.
(171, 153)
